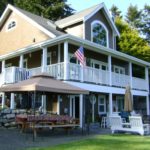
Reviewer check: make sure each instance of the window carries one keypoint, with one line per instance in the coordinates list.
(99, 33)
(11, 25)
(118, 69)
(102, 104)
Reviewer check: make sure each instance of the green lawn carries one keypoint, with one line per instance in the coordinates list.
(106, 142)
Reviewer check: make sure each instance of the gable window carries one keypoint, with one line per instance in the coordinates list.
(99, 33)
(11, 25)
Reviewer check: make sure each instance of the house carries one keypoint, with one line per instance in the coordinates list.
(30, 44)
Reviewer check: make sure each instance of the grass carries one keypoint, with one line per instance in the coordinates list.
(106, 142)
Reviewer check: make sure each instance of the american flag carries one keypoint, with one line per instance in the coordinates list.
(80, 55)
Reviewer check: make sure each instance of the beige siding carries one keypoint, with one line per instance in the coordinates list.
(21, 36)
(76, 30)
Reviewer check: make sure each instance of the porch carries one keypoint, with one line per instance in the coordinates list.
(74, 73)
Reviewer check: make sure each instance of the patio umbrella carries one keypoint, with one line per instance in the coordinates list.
(128, 100)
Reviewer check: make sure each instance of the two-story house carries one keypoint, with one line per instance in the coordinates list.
(30, 44)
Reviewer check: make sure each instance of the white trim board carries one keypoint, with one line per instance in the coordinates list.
(105, 89)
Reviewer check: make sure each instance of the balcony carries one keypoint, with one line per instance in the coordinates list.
(75, 73)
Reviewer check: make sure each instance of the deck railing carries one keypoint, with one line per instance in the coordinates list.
(76, 73)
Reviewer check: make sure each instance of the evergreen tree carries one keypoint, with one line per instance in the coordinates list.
(3, 4)
(51, 9)
(144, 25)
(133, 16)
(115, 11)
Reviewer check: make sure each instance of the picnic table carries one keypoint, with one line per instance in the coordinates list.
(45, 121)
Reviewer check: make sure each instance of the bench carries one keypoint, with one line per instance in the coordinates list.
(135, 125)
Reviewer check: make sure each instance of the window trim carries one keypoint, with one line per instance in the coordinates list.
(103, 25)
(9, 22)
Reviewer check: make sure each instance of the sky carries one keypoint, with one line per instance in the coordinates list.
(79, 5)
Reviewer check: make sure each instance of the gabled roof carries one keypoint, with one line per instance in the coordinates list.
(45, 25)
(85, 15)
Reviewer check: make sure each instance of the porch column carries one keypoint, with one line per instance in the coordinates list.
(21, 62)
(44, 59)
(3, 65)
(66, 61)
(81, 110)
(109, 69)
(110, 104)
(58, 104)
(44, 104)
(3, 71)
(147, 105)
(12, 101)
(70, 106)
(3, 100)
(147, 78)
(58, 53)
(130, 73)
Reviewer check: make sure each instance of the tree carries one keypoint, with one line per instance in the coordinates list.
(130, 42)
(115, 11)
(133, 16)
(144, 25)
(3, 4)
(51, 9)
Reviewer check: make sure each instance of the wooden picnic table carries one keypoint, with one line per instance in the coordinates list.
(45, 121)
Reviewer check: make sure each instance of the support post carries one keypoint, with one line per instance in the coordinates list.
(21, 62)
(70, 106)
(81, 110)
(110, 104)
(66, 70)
(3, 71)
(109, 69)
(147, 105)
(44, 59)
(44, 104)
(147, 78)
(12, 101)
(58, 104)
(58, 53)
(130, 74)
(3, 100)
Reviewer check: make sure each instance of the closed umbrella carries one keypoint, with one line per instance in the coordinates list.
(128, 100)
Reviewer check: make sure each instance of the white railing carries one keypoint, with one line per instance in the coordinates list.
(120, 80)
(9, 75)
(35, 71)
(96, 75)
(75, 72)
(56, 70)
(21, 74)
(139, 84)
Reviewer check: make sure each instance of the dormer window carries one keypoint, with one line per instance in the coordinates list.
(99, 33)
(11, 25)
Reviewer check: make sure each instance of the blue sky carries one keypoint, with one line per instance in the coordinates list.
(79, 5)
